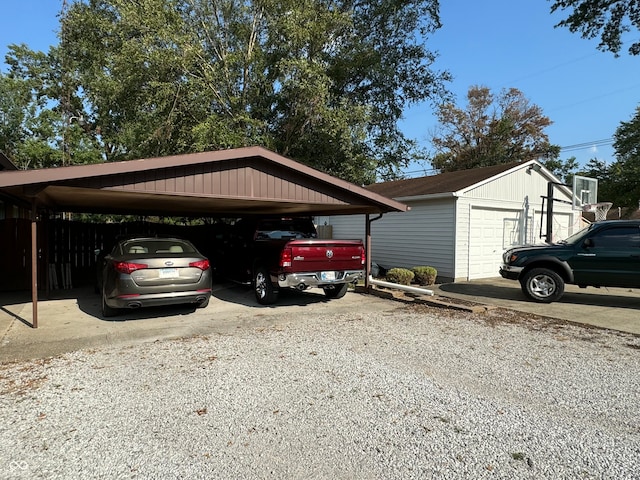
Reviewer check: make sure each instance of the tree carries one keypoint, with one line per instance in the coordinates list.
(625, 171)
(323, 82)
(619, 181)
(609, 19)
(35, 131)
(563, 169)
(490, 131)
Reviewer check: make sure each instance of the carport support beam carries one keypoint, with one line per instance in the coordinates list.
(34, 265)
(367, 248)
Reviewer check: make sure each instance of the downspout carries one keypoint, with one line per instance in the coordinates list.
(367, 249)
(34, 264)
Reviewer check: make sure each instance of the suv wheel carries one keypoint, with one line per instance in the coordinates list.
(542, 285)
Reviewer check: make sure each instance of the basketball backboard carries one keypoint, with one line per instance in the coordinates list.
(585, 191)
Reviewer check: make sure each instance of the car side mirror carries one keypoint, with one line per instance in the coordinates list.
(588, 243)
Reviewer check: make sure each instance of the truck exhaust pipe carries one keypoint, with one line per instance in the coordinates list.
(301, 286)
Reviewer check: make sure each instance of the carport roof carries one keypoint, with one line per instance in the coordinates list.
(241, 181)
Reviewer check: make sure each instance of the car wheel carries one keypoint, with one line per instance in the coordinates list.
(107, 311)
(542, 285)
(265, 293)
(336, 291)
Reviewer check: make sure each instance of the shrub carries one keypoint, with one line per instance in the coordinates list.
(402, 276)
(425, 275)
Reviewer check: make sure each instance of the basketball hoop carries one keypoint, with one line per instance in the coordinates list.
(600, 209)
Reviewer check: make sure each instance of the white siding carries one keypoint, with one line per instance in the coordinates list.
(516, 186)
(345, 227)
(463, 237)
(422, 236)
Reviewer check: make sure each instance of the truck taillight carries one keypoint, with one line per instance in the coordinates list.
(285, 257)
(363, 257)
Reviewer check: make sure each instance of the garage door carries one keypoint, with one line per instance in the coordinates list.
(492, 231)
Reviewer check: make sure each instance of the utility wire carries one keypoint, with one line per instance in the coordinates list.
(582, 146)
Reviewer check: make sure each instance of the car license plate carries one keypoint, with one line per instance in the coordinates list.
(169, 273)
(327, 276)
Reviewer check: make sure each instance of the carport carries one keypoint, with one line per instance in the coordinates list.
(233, 182)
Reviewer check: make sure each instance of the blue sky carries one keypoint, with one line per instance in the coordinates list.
(496, 43)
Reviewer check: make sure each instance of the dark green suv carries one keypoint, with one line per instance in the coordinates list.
(605, 254)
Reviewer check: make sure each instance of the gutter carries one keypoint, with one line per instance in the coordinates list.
(428, 196)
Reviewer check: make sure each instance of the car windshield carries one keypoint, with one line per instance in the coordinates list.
(152, 245)
(577, 237)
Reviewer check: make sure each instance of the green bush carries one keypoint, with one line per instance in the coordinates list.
(402, 276)
(425, 275)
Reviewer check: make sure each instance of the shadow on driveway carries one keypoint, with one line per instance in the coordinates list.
(614, 308)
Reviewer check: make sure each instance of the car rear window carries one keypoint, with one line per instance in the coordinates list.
(146, 246)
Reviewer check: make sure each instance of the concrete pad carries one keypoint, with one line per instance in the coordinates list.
(611, 308)
(71, 319)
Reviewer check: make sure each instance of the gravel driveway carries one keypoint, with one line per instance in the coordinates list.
(412, 392)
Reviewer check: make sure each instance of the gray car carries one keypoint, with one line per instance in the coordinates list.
(153, 271)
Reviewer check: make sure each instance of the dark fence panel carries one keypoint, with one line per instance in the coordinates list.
(68, 249)
(15, 254)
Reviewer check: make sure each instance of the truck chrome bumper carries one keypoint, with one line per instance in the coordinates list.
(510, 272)
(319, 279)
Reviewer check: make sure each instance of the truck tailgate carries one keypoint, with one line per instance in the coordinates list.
(310, 256)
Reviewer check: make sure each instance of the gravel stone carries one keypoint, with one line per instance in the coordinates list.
(418, 392)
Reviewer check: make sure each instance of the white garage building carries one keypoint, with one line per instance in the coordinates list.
(461, 222)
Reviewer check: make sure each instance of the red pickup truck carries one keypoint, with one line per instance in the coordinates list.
(274, 253)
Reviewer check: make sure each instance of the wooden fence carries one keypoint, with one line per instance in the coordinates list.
(67, 250)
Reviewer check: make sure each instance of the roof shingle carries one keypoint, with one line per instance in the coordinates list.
(434, 184)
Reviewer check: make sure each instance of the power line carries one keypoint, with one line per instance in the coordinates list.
(584, 145)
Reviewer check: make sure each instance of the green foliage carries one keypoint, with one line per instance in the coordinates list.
(608, 19)
(625, 171)
(563, 169)
(324, 83)
(401, 276)
(491, 130)
(619, 181)
(424, 275)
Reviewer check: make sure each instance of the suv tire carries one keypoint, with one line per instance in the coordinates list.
(542, 285)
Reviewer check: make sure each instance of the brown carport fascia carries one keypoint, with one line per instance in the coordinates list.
(231, 182)
(257, 181)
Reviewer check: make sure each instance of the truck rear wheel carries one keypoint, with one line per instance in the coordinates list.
(336, 291)
(542, 285)
(263, 288)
